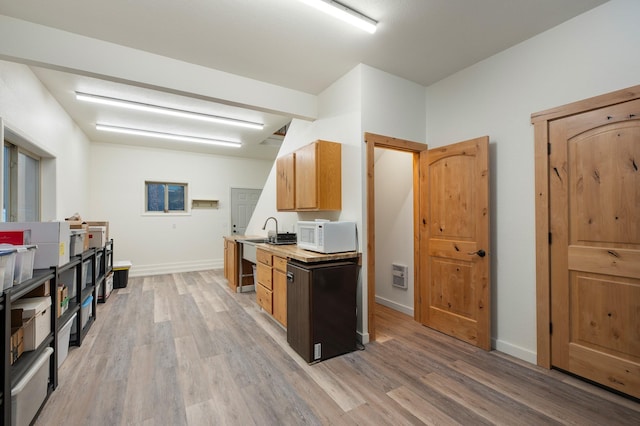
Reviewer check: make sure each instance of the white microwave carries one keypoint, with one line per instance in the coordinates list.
(327, 237)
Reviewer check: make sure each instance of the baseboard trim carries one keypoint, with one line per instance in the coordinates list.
(395, 306)
(515, 351)
(174, 268)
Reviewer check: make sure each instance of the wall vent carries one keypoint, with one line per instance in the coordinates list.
(399, 275)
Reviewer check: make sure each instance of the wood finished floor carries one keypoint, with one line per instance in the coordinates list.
(182, 349)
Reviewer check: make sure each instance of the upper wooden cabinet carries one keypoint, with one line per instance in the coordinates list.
(317, 185)
(285, 182)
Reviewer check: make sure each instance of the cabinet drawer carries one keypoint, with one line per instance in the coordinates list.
(264, 297)
(264, 275)
(280, 263)
(264, 257)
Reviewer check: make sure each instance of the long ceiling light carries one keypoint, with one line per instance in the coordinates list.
(139, 106)
(340, 11)
(163, 135)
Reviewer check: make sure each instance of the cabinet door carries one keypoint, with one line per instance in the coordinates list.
(280, 296)
(264, 275)
(264, 298)
(305, 171)
(285, 182)
(231, 264)
(226, 259)
(318, 171)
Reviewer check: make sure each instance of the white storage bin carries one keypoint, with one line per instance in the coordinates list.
(39, 329)
(25, 256)
(76, 245)
(108, 287)
(87, 310)
(87, 270)
(52, 239)
(68, 278)
(97, 236)
(64, 335)
(30, 392)
(7, 263)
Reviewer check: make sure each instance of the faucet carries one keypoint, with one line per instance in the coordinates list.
(265, 227)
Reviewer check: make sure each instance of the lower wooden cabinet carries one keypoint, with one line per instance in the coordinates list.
(230, 263)
(264, 297)
(279, 281)
(271, 288)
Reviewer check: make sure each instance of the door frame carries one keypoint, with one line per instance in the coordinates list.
(373, 141)
(540, 121)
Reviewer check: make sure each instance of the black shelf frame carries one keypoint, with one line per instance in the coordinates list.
(104, 268)
(11, 374)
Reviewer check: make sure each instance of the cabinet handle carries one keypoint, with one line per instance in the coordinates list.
(290, 277)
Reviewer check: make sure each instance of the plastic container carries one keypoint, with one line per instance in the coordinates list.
(107, 288)
(87, 310)
(64, 335)
(38, 330)
(121, 273)
(68, 278)
(25, 257)
(76, 245)
(7, 263)
(30, 392)
(87, 273)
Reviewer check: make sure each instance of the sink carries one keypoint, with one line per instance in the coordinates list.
(253, 240)
(249, 248)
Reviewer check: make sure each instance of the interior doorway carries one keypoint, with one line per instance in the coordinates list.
(394, 230)
(243, 203)
(450, 236)
(414, 148)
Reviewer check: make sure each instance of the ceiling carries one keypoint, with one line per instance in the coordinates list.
(282, 42)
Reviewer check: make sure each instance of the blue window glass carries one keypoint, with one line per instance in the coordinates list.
(176, 197)
(155, 197)
(166, 197)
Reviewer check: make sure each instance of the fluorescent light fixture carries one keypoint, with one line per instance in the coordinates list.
(139, 106)
(340, 11)
(163, 135)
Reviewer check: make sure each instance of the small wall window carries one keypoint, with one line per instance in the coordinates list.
(165, 197)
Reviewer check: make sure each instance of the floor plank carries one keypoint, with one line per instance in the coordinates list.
(181, 349)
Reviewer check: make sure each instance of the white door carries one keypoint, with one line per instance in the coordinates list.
(243, 202)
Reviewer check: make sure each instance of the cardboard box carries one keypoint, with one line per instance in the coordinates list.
(18, 325)
(100, 223)
(52, 239)
(62, 298)
(97, 236)
(42, 290)
(17, 344)
(36, 308)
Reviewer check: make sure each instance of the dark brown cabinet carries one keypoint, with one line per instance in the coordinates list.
(321, 309)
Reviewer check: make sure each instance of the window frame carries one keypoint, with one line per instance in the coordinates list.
(12, 198)
(166, 211)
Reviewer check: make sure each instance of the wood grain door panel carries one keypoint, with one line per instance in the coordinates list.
(455, 235)
(594, 185)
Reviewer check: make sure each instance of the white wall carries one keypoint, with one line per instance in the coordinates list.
(158, 244)
(339, 121)
(394, 227)
(363, 100)
(392, 106)
(594, 53)
(30, 111)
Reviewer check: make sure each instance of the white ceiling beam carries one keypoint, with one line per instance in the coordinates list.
(34, 44)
